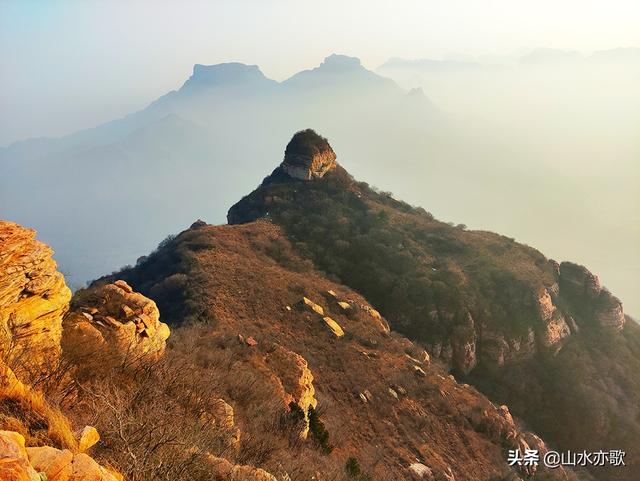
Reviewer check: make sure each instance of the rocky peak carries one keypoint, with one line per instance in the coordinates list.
(583, 289)
(233, 73)
(338, 63)
(308, 156)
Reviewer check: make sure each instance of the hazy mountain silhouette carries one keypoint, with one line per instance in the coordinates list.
(103, 196)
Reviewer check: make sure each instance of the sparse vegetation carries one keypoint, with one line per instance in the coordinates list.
(307, 143)
(319, 431)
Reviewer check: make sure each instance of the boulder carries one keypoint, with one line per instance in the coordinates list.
(418, 371)
(380, 322)
(308, 304)
(14, 462)
(223, 418)
(420, 472)
(87, 438)
(345, 306)
(84, 468)
(124, 327)
(56, 464)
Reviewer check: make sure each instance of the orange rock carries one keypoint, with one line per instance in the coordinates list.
(33, 296)
(87, 438)
(14, 463)
(54, 463)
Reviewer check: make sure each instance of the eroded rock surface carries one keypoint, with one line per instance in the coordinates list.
(296, 378)
(583, 289)
(308, 156)
(33, 297)
(45, 463)
(114, 321)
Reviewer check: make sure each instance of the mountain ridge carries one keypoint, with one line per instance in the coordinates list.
(490, 308)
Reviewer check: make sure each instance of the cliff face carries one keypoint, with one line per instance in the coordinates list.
(591, 300)
(37, 439)
(33, 297)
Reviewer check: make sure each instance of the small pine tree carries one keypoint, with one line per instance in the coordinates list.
(318, 431)
(353, 467)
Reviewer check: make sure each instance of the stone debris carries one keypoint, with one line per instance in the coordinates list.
(334, 326)
(308, 304)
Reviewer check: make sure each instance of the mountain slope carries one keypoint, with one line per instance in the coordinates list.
(380, 399)
(543, 337)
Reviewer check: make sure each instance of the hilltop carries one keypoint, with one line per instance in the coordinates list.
(541, 336)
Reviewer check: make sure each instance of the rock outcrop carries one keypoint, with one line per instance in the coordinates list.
(222, 418)
(297, 381)
(555, 325)
(33, 297)
(308, 156)
(114, 321)
(44, 463)
(585, 292)
(224, 470)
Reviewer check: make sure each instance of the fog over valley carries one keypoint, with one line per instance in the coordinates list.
(542, 147)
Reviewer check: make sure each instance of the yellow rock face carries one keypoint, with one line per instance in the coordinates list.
(309, 304)
(297, 380)
(33, 297)
(87, 438)
(18, 463)
(14, 463)
(334, 326)
(54, 462)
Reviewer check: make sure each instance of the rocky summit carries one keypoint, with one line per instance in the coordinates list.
(308, 156)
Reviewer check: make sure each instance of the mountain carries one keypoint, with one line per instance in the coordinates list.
(221, 125)
(543, 337)
(382, 403)
(428, 65)
(274, 371)
(617, 54)
(543, 139)
(329, 332)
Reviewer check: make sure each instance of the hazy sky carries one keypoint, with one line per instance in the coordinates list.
(72, 64)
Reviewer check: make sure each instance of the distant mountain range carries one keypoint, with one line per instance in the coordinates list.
(190, 153)
(537, 55)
